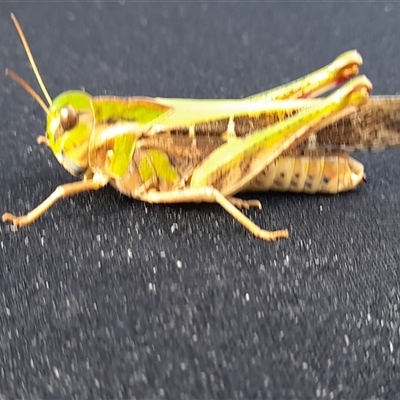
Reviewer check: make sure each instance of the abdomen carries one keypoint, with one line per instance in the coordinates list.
(332, 173)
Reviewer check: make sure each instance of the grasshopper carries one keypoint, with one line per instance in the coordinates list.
(165, 150)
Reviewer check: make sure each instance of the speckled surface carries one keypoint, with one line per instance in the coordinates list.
(105, 297)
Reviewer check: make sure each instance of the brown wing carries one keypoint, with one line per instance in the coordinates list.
(375, 126)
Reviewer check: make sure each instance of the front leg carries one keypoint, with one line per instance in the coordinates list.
(67, 190)
(211, 195)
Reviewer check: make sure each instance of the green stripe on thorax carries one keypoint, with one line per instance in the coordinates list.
(135, 109)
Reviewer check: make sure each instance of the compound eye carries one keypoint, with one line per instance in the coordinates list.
(68, 118)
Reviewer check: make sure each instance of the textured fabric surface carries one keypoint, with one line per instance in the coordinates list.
(106, 297)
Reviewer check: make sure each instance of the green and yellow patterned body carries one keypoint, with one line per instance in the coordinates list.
(182, 150)
(132, 150)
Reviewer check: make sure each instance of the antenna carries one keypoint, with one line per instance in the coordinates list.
(32, 61)
(25, 85)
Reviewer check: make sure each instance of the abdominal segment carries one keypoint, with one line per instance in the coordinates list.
(333, 173)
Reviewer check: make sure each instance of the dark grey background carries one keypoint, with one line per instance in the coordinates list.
(106, 297)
